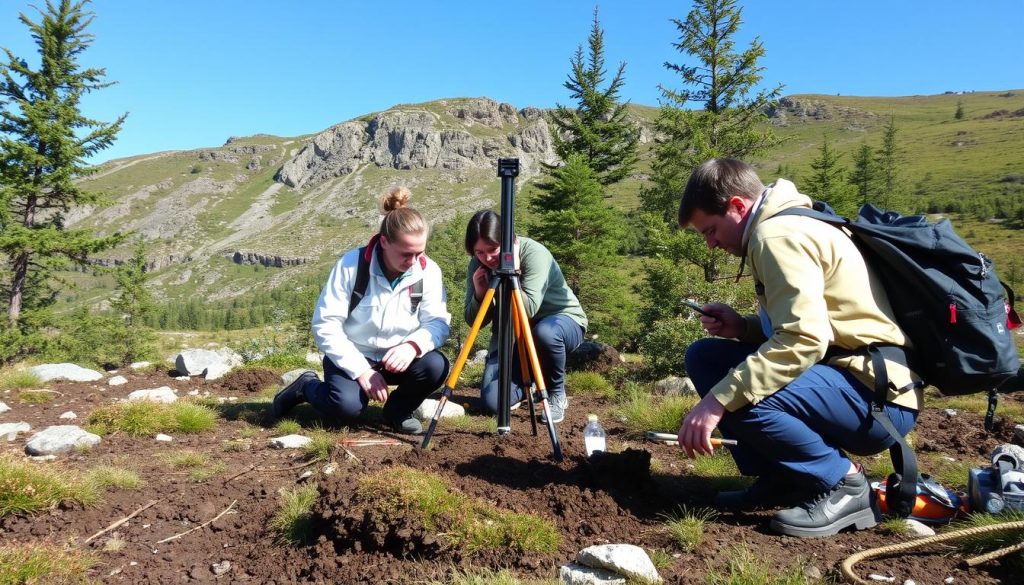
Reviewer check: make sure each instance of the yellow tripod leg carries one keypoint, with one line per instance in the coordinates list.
(538, 377)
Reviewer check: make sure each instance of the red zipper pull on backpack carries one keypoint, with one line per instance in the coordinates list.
(952, 312)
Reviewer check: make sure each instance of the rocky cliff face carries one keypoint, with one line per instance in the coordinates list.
(417, 138)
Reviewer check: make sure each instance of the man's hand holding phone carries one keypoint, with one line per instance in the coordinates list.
(718, 319)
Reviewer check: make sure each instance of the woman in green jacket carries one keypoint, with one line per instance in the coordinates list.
(556, 317)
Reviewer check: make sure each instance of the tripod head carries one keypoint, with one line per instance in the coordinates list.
(508, 169)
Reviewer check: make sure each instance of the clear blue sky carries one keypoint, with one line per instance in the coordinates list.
(191, 73)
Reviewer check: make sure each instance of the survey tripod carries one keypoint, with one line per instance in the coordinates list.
(513, 324)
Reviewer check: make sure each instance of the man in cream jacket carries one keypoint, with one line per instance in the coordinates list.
(765, 379)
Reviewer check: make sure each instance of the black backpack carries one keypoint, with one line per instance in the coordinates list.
(363, 280)
(948, 300)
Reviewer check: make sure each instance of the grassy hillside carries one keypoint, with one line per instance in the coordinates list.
(196, 209)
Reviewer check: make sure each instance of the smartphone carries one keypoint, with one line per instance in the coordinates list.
(697, 308)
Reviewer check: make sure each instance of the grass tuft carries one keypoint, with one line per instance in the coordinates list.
(747, 568)
(142, 418)
(990, 541)
(470, 424)
(590, 383)
(895, 526)
(106, 476)
(37, 396)
(486, 576)
(20, 380)
(293, 522)
(199, 466)
(322, 444)
(43, 562)
(288, 427)
(467, 523)
(642, 412)
(26, 487)
(686, 527)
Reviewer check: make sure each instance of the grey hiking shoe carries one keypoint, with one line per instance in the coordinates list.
(291, 395)
(557, 405)
(848, 503)
(407, 425)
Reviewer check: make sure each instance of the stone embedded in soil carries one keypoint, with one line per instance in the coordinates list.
(10, 431)
(60, 438)
(162, 394)
(625, 559)
(290, 442)
(576, 574)
(426, 410)
(69, 415)
(48, 372)
(164, 438)
(4, 407)
(117, 381)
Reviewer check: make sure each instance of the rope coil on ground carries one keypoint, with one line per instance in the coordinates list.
(847, 566)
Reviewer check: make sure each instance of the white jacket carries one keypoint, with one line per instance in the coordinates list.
(383, 319)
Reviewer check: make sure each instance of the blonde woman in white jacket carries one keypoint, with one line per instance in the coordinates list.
(388, 336)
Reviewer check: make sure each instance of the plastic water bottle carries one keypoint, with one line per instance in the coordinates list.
(593, 435)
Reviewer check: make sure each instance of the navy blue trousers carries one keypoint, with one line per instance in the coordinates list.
(339, 397)
(554, 336)
(806, 427)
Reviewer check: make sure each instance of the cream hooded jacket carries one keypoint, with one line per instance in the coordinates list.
(383, 319)
(817, 292)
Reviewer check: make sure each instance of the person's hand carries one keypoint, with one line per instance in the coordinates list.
(723, 321)
(695, 432)
(374, 385)
(398, 358)
(481, 282)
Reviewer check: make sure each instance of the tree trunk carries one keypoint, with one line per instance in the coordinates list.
(19, 265)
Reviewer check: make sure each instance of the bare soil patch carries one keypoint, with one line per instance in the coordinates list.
(611, 499)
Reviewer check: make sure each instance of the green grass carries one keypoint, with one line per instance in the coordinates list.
(43, 562)
(978, 404)
(590, 383)
(470, 424)
(198, 465)
(895, 526)
(280, 361)
(745, 567)
(987, 542)
(19, 380)
(322, 445)
(468, 524)
(292, 522)
(720, 469)
(27, 487)
(105, 476)
(37, 396)
(288, 427)
(486, 576)
(643, 412)
(686, 527)
(949, 474)
(144, 417)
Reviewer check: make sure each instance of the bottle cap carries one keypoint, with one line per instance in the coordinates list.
(591, 417)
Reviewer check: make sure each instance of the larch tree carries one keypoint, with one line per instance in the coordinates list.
(45, 142)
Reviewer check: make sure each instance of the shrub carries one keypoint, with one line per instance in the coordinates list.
(664, 345)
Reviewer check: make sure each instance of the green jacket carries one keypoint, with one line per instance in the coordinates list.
(544, 289)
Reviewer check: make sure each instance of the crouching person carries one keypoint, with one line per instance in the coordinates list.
(382, 331)
(795, 407)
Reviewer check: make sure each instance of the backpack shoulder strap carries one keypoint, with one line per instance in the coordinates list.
(362, 280)
(416, 291)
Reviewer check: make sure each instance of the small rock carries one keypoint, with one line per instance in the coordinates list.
(313, 357)
(948, 580)
(10, 431)
(576, 574)
(58, 439)
(910, 582)
(193, 392)
(162, 394)
(42, 458)
(625, 559)
(674, 386)
(305, 475)
(918, 529)
(221, 567)
(139, 365)
(812, 573)
(164, 438)
(117, 381)
(290, 442)
(68, 415)
(883, 578)
(330, 468)
(426, 410)
(48, 372)
(182, 378)
(4, 407)
(950, 412)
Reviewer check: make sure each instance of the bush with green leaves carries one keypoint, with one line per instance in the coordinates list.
(665, 343)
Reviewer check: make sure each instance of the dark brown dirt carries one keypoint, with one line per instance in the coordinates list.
(615, 498)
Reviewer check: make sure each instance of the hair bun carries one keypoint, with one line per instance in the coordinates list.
(395, 198)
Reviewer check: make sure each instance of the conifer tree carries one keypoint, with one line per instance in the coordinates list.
(730, 124)
(134, 304)
(959, 114)
(864, 176)
(45, 141)
(889, 159)
(826, 182)
(597, 127)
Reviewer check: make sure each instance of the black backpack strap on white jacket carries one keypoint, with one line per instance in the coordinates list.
(363, 280)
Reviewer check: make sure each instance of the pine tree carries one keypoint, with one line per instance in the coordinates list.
(135, 305)
(959, 115)
(582, 232)
(826, 182)
(864, 177)
(889, 159)
(597, 127)
(44, 143)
